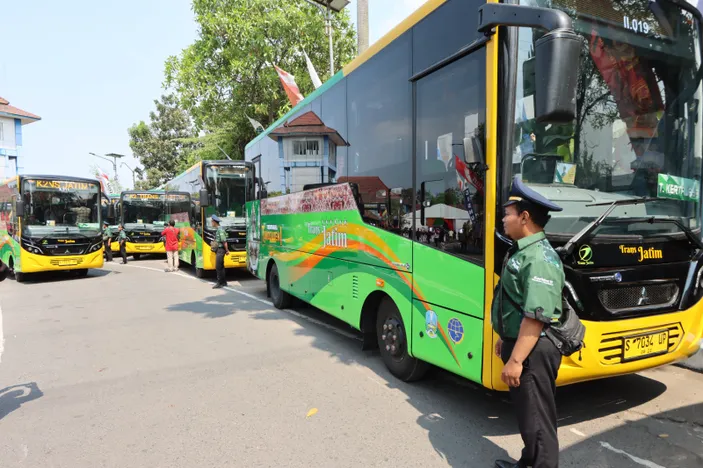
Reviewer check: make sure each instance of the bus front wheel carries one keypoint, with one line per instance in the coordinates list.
(136, 256)
(393, 343)
(199, 272)
(20, 277)
(280, 298)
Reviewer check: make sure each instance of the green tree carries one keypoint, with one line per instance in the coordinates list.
(228, 72)
(164, 145)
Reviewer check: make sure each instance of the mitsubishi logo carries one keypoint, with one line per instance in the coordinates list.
(644, 299)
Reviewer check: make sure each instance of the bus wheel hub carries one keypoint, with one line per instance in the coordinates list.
(393, 336)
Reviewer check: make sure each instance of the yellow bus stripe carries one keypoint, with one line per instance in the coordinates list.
(491, 180)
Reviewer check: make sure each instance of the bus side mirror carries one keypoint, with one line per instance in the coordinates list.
(263, 193)
(556, 76)
(19, 207)
(204, 199)
(557, 55)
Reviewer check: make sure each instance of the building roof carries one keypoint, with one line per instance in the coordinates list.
(308, 124)
(371, 188)
(6, 110)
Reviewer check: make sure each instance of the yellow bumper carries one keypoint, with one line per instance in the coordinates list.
(233, 260)
(31, 263)
(605, 356)
(132, 248)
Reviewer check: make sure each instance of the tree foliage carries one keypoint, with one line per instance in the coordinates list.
(228, 72)
(165, 144)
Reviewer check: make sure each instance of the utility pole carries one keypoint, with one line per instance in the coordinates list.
(133, 171)
(362, 25)
(326, 7)
(112, 157)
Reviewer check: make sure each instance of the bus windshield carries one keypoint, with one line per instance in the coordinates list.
(60, 206)
(231, 187)
(638, 121)
(154, 208)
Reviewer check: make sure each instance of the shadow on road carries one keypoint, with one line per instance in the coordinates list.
(667, 439)
(11, 398)
(218, 305)
(461, 417)
(68, 275)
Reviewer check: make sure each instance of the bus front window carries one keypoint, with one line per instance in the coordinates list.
(637, 130)
(143, 209)
(231, 187)
(52, 204)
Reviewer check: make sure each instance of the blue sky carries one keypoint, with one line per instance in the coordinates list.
(91, 69)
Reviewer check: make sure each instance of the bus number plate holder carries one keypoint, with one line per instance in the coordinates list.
(68, 262)
(645, 345)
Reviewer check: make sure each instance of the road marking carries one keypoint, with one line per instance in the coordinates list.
(641, 461)
(578, 433)
(258, 299)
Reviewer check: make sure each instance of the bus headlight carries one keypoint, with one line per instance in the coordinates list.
(32, 249)
(95, 247)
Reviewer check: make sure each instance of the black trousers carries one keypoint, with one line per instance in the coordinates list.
(108, 250)
(220, 266)
(123, 252)
(535, 404)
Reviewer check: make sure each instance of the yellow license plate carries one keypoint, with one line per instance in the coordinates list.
(68, 262)
(645, 345)
(144, 247)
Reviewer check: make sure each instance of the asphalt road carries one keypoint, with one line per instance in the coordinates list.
(134, 367)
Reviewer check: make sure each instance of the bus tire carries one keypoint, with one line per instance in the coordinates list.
(280, 298)
(82, 272)
(393, 343)
(136, 256)
(20, 277)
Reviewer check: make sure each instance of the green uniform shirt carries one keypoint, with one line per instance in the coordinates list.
(107, 233)
(122, 235)
(221, 237)
(533, 277)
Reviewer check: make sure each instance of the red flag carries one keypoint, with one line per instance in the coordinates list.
(288, 82)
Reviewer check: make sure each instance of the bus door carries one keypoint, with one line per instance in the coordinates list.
(448, 273)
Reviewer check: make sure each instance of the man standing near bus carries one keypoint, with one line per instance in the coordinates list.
(222, 250)
(528, 299)
(122, 239)
(171, 245)
(107, 241)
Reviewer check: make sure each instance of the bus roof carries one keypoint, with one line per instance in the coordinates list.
(418, 15)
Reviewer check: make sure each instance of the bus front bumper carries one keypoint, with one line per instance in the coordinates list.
(32, 263)
(616, 348)
(135, 248)
(233, 260)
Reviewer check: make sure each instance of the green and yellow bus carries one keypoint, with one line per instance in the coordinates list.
(50, 223)
(594, 104)
(219, 188)
(145, 214)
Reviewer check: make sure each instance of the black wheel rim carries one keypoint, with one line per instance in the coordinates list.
(393, 338)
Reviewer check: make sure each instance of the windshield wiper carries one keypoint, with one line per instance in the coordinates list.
(568, 248)
(653, 220)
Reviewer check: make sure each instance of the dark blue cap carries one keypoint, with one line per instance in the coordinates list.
(216, 218)
(521, 192)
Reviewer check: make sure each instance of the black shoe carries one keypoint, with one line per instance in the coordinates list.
(217, 286)
(506, 464)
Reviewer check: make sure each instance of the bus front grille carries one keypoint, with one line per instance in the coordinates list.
(612, 345)
(649, 296)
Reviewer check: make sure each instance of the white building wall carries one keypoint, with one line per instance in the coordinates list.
(8, 133)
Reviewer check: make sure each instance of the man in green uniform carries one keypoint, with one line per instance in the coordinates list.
(122, 239)
(107, 240)
(222, 250)
(527, 300)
